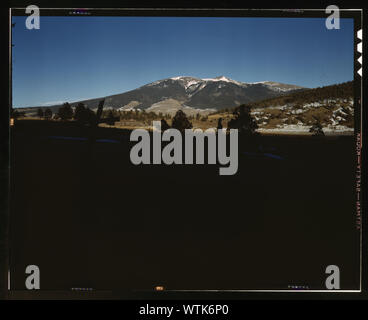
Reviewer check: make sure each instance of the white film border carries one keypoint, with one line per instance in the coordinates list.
(360, 50)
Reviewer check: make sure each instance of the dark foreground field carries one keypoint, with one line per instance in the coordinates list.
(89, 218)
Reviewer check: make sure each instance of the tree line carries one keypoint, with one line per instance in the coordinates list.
(338, 91)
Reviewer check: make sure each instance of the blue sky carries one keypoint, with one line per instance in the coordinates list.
(75, 58)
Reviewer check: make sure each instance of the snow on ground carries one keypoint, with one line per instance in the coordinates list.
(338, 128)
(312, 105)
(222, 78)
(289, 128)
(297, 111)
(337, 116)
(339, 111)
(218, 79)
(190, 83)
(257, 82)
(302, 129)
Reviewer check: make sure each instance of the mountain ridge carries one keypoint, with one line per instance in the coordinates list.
(207, 93)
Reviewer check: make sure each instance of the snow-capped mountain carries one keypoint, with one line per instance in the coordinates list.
(190, 92)
(193, 85)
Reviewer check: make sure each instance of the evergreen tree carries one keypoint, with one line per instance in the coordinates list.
(48, 113)
(65, 111)
(90, 117)
(219, 124)
(110, 118)
(40, 113)
(180, 121)
(15, 113)
(317, 129)
(80, 113)
(164, 125)
(243, 121)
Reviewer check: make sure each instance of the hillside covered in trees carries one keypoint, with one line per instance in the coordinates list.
(330, 108)
(338, 91)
